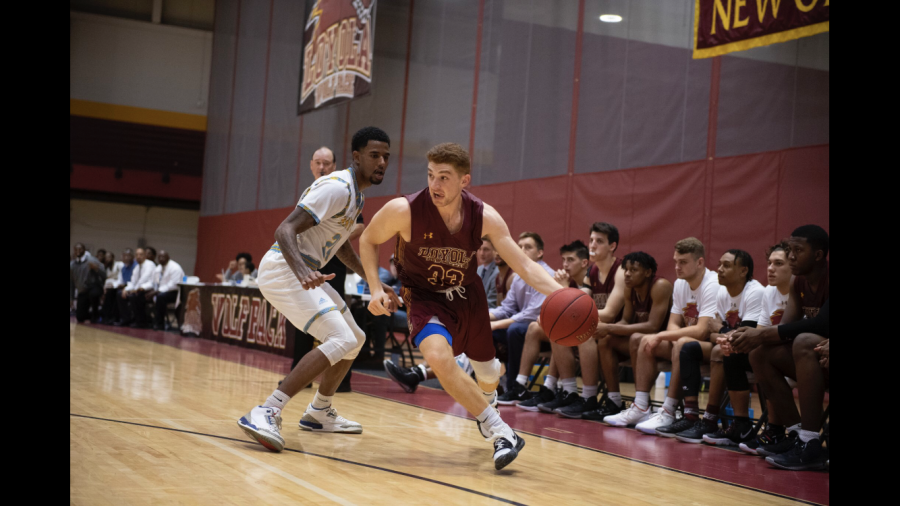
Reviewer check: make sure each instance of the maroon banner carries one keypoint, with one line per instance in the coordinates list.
(724, 26)
(338, 45)
(236, 315)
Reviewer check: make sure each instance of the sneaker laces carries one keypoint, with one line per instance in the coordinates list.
(331, 412)
(273, 417)
(459, 290)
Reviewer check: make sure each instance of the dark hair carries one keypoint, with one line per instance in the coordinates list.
(250, 266)
(535, 236)
(245, 256)
(691, 245)
(362, 137)
(609, 230)
(644, 259)
(781, 246)
(151, 248)
(745, 261)
(815, 235)
(577, 247)
(101, 251)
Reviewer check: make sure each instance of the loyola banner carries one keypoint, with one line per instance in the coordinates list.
(723, 26)
(338, 44)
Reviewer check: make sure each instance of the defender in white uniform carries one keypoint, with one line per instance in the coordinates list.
(306, 240)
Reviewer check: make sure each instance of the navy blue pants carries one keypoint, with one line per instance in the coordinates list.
(514, 336)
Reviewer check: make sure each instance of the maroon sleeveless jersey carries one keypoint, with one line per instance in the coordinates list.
(642, 309)
(440, 275)
(602, 290)
(810, 301)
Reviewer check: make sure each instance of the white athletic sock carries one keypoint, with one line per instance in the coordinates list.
(617, 397)
(588, 392)
(321, 401)
(550, 382)
(670, 405)
(642, 400)
(277, 400)
(489, 396)
(569, 385)
(807, 435)
(490, 417)
(795, 427)
(521, 379)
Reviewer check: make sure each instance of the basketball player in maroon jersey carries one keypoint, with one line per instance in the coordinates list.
(646, 311)
(439, 231)
(797, 348)
(605, 282)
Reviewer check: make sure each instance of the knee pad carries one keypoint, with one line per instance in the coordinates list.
(339, 340)
(487, 372)
(357, 332)
(691, 357)
(736, 367)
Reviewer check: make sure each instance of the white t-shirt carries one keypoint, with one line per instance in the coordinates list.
(747, 306)
(334, 201)
(694, 304)
(773, 306)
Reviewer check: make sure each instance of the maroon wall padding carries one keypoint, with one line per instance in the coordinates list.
(135, 182)
(746, 202)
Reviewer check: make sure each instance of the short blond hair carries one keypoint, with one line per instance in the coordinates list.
(691, 245)
(453, 154)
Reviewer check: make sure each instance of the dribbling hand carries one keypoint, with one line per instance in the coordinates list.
(314, 279)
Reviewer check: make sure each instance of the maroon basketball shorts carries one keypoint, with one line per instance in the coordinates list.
(466, 318)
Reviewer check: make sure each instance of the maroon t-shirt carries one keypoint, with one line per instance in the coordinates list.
(602, 290)
(810, 301)
(433, 261)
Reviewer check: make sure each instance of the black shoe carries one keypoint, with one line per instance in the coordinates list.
(531, 404)
(679, 425)
(700, 428)
(606, 407)
(406, 378)
(120, 323)
(577, 408)
(740, 431)
(767, 438)
(157, 327)
(782, 446)
(505, 453)
(801, 457)
(563, 398)
(514, 395)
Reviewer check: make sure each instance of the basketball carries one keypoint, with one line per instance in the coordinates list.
(569, 316)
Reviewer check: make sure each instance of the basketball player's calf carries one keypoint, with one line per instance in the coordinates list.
(541, 400)
(646, 370)
(437, 352)
(611, 350)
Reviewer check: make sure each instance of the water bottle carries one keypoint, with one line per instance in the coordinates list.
(361, 287)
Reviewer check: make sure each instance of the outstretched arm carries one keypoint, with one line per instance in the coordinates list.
(389, 221)
(496, 230)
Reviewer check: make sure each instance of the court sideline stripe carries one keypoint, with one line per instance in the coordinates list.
(370, 466)
(660, 466)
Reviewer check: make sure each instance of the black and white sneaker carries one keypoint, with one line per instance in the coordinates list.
(675, 427)
(577, 408)
(514, 395)
(549, 406)
(531, 404)
(566, 401)
(485, 431)
(780, 447)
(506, 448)
(801, 457)
(407, 378)
(736, 433)
(767, 438)
(700, 428)
(606, 407)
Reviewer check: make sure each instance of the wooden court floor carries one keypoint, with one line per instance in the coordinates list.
(151, 423)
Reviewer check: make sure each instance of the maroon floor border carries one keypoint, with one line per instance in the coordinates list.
(699, 460)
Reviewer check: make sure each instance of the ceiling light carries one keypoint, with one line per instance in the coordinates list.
(610, 18)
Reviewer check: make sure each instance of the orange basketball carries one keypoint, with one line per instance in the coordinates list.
(569, 316)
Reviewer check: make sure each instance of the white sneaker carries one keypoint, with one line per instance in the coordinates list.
(507, 445)
(631, 416)
(659, 419)
(327, 420)
(263, 425)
